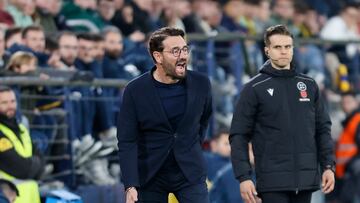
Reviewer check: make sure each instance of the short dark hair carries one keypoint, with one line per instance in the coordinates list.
(51, 44)
(30, 28)
(85, 36)
(12, 31)
(4, 88)
(351, 93)
(157, 38)
(276, 30)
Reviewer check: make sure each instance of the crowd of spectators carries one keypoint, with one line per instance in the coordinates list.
(106, 39)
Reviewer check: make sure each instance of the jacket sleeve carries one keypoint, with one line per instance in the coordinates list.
(241, 132)
(127, 136)
(19, 167)
(206, 113)
(324, 142)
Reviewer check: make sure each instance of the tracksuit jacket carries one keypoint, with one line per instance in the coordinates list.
(281, 113)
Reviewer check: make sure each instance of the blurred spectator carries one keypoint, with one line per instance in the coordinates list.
(25, 64)
(142, 11)
(52, 49)
(223, 187)
(99, 49)
(309, 58)
(283, 13)
(232, 12)
(33, 41)
(8, 191)
(124, 19)
(114, 63)
(347, 149)
(247, 19)
(343, 27)
(81, 15)
(3, 55)
(86, 60)
(192, 21)
(350, 135)
(6, 19)
(22, 63)
(20, 161)
(34, 38)
(262, 16)
(19, 10)
(326, 8)
(106, 9)
(44, 15)
(53, 8)
(174, 12)
(13, 36)
(68, 49)
(220, 153)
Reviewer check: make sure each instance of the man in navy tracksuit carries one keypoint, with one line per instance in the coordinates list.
(280, 111)
(162, 123)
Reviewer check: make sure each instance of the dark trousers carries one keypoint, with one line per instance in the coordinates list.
(286, 197)
(170, 179)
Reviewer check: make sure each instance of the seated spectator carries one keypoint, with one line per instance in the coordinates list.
(223, 187)
(343, 27)
(17, 9)
(6, 19)
(219, 155)
(3, 55)
(44, 16)
(13, 36)
(99, 49)
(81, 16)
(68, 49)
(114, 63)
(33, 40)
(8, 191)
(52, 49)
(22, 63)
(106, 10)
(124, 19)
(19, 159)
(25, 64)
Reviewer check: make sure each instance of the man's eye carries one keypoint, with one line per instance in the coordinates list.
(175, 51)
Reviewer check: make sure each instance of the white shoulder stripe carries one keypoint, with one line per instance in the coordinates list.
(261, 81)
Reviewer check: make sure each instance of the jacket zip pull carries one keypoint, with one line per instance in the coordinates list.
(296, 191)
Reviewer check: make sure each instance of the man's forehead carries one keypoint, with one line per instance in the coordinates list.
(174, 41)
(280, 40)
(7, 95)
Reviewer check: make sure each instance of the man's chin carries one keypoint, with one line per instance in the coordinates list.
(10, 115)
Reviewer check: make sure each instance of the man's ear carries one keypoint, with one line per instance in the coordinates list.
(158, 57)
(266, 49)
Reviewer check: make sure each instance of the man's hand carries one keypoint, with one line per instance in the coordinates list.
(248, 192)
(131, 195)
(328, 181)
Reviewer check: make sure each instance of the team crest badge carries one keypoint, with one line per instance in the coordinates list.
(303, 94)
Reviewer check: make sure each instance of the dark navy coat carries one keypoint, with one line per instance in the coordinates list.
(145, 136)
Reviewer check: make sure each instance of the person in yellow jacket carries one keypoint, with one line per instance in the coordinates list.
(19, 162)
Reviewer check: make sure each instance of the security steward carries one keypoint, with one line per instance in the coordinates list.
(19, 162)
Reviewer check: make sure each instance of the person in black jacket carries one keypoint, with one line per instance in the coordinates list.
(162, 123)
(281, 113)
